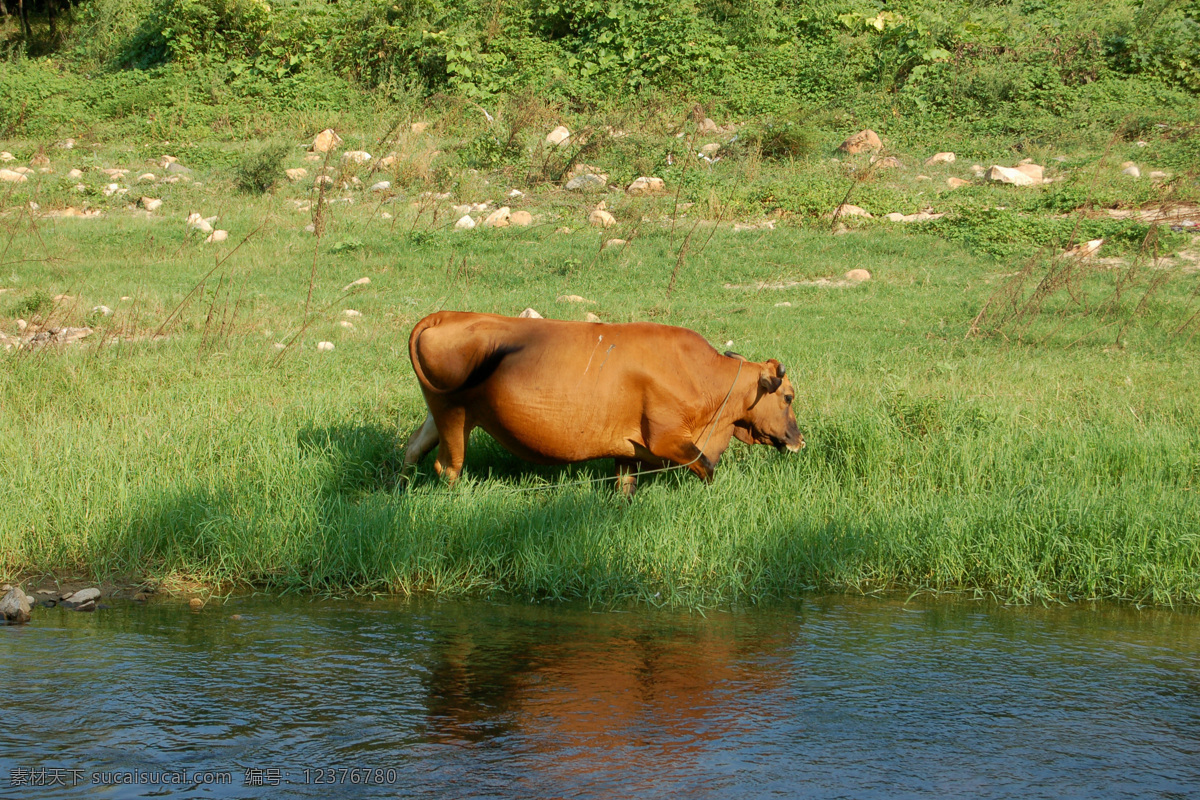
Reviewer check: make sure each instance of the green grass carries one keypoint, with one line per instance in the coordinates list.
(1060, 464)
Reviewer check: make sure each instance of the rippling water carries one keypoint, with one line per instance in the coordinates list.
(832, 697)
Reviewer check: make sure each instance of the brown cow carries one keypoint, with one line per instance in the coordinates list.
(557, 392)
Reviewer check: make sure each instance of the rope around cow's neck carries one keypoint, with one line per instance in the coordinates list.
(711, 427)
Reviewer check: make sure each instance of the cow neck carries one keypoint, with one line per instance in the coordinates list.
(715, 421)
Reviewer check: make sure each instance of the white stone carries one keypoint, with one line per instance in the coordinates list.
(324, 347)
(112, 189)
(347, 324)
(558, 136)
(1008, 175)
(75, 174)
(645, 185)
(1132, 171)
(150, 203)
(521, 218)
(198, 222)
(601, 219)
(784, 304)
(296, 174)
(1158, 175)
(8, 176)
(350, 312)
(710, 149)
(592, 317)
(1085, 250)
(572, 298)
(498, 218)
(940, 158)
(588, 182)
(381, 186)
(465, 223)
(7, 156)
(858, 275)
(147, 177)
(359, 282)
(217, 236)
(325, 141)
(356, 156)
(611, 243)
(102, 310)
(529, 313)
(851, 210)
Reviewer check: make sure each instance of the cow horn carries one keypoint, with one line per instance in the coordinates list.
(782, 370)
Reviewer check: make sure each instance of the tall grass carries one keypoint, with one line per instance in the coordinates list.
(1026, 472)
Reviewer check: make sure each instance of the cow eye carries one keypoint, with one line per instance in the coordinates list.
(787, 398)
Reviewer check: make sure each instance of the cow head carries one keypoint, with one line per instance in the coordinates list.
(770, 418)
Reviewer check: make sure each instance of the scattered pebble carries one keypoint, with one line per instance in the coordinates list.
(350, 312)
(558, 136)
(217, 236)
(529, 313)
(572, 298)
(102, 310)
(601, 219)
(325, 141)
(521, 218)
(324, 347)
(359, 282)
(196, 604)
(465, 223)
(347, 324)
(498, 218)
(858, 275)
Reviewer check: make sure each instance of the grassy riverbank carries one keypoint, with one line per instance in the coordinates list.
(983, 415)
(1051, 453)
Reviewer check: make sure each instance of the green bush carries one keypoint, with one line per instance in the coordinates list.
(258, 172)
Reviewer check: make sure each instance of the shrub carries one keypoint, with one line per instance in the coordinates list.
(259, 171)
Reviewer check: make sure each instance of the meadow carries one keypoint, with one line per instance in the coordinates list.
(986, 415)
(1021, 426)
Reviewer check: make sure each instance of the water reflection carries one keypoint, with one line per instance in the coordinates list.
(835, 697)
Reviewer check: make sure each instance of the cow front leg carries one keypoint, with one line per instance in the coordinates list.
(627, 477)
(419, 445)
(684, 451)
(453, 431)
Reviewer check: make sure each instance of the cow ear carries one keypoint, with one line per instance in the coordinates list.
(768, 381)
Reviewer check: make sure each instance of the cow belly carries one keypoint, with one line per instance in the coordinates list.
(551, 431)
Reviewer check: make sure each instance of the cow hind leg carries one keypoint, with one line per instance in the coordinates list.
(419, 445)
(454, 431)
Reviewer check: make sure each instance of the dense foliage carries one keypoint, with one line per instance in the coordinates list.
(966, 58)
